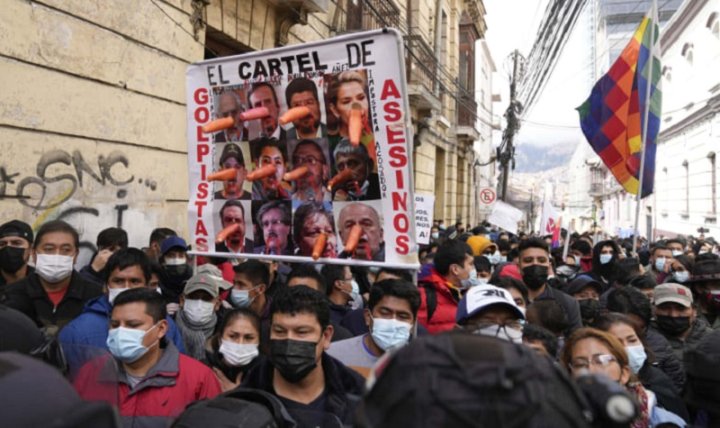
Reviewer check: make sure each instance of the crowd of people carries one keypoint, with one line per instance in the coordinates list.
(495, 329)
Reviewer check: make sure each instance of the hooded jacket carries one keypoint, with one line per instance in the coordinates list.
(343, 386)
(446, 302)
(89, 332)
(605, 273)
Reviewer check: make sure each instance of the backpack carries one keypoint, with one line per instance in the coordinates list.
(241, 407)
(460, 380)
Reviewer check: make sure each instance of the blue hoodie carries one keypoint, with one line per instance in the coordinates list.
(86, 336)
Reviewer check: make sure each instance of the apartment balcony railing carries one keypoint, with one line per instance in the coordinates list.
(372, 15)
(422, 72)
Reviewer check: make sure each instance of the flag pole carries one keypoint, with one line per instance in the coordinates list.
(646, 113)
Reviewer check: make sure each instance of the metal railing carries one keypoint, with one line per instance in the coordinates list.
(423, 64)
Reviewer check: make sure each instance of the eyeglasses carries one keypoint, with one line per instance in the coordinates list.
(598, 360)
(514, 324)
(306, 160)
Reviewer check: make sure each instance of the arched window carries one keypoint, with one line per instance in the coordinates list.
(713, 24)
(667, 73)
(687, 52)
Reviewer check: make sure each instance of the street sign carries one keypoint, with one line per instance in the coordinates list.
(487, 195)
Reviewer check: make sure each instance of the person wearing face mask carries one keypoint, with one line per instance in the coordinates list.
(197, 316)
(660, 263)
(54, 294)
(390, 317)
(108, 242)
(16, 238)
(642, 362)
(582, 250)
(482, 246)
(487, 310)
(680, 269)
(597, 352)
(605, 264)
(483, 269)
(342, 290)
(441, 285)
(233, 350)
(154, 382)
(587, 293)
(175, 271)
(676, 317)
(126, 269)
(534, 264)
(705, 284)
(676, 246)
(313, 386)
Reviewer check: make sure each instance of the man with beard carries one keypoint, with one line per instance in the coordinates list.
(274, 220)
(230, 105)
(267, 151)
(365, 184)
(16, 238)
(303, 92)
(233, 212)
(372, 244)
(175, 271)
(311, 186)
(534, 263)
(232, 157)
(263, 94)
(313, 387)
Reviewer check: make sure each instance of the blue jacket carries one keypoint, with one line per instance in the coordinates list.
(85, 336)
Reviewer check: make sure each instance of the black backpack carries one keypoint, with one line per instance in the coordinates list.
(241, 407)
(459, 380)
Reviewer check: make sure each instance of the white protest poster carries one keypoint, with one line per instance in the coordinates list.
(424, 208)
(302, 153)
(505, 216)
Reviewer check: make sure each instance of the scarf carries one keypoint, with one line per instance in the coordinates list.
(642, 421)
(195, 335)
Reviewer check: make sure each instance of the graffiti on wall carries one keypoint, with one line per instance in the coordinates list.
(91, 193)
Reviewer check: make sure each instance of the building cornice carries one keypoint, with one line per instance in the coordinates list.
(680, 22)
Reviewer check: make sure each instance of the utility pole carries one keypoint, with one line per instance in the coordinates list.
(506, 151)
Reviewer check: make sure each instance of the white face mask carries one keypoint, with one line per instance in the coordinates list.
(175, 261)
(113, 293)
(507, 333)
(681, 276)
(198, 310)
(238, 354)
(54, 268)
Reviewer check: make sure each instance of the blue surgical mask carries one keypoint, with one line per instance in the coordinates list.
(605, 258)
(494, 258)
(470, 281)
(126, 345)
(390, 333)
(240, 298)
(660, 263)
(681, 276)
(636, 357)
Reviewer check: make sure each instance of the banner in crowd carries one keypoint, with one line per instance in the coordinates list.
(302, 153)
(424, 211)
(505, 216)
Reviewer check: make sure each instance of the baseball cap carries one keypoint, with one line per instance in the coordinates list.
(204, 282)
(232, 151)
(17, 228)
(579, 283)
(510, 270)
(480, 297)
(172, 242)
(215, 273)
(675, 293)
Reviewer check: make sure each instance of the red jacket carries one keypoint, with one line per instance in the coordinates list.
(447, 298)
(174, 382)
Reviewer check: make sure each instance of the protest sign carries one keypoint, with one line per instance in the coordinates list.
(424, 206)
(505, 216)
(302, 153)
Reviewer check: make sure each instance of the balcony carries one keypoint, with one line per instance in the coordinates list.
(596, 189)
(372, 15)
(467, 118)
(422, 74)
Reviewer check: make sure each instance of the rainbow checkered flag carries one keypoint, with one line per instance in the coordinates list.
(614, 115)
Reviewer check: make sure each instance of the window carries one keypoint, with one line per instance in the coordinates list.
(687, 52)
(713, 183)
(667, 73)
(713, 24)
(687, 187)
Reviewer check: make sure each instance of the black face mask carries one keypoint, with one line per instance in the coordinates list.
(12, 259)
(535, 276)
(673, 326)
(589, 309)
(294, 359)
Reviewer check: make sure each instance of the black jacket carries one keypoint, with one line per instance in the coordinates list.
(698, 330)
(29, 297)
(343, 386)
(569, 305)
(665, 358)
(668, 396)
